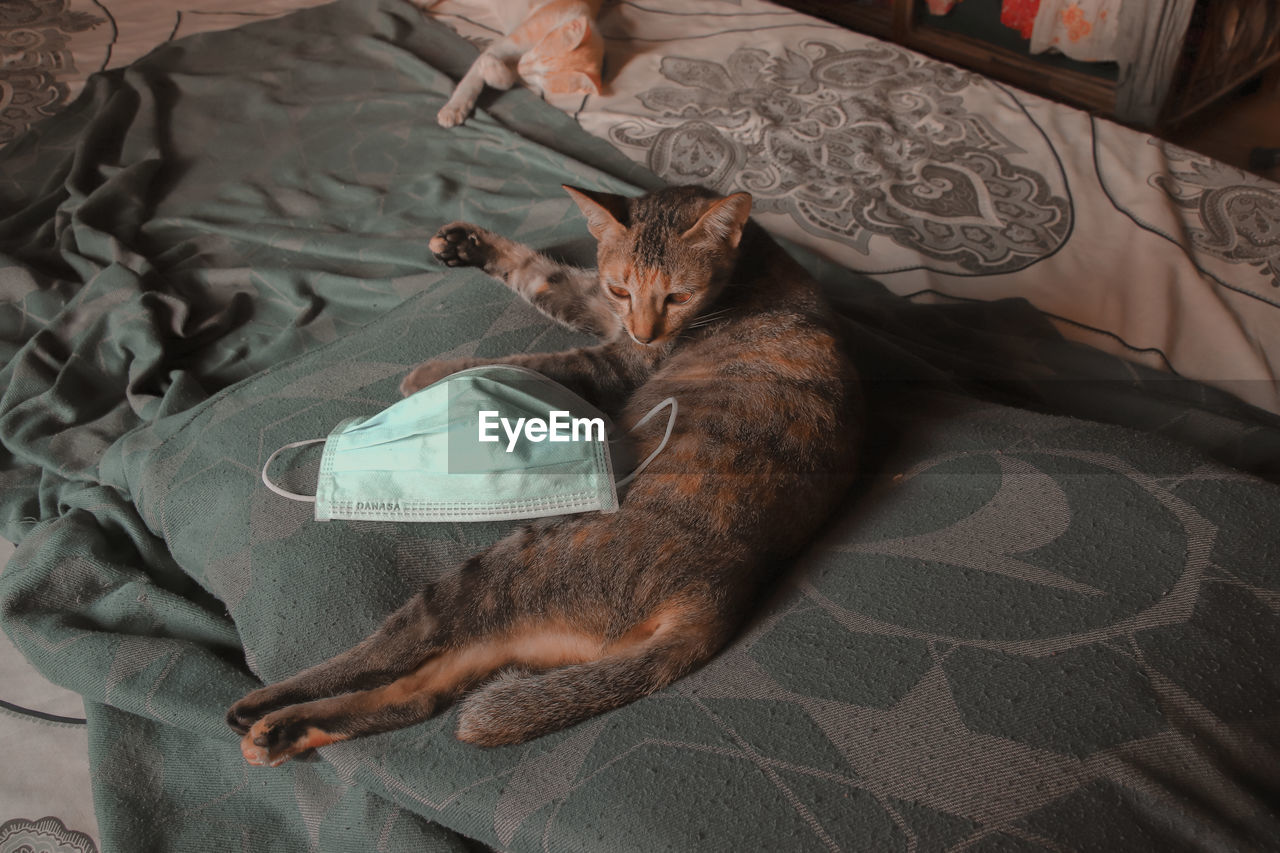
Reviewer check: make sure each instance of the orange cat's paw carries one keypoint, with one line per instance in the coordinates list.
(460, 244)
(451, 116)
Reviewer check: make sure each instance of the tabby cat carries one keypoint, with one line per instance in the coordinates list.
(572, 616)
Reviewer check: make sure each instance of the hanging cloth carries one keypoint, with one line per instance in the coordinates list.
(1019, 15)
(1085, 30)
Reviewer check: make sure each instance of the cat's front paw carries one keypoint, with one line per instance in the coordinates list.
(460, 244)
(429, 373)
(451, 116)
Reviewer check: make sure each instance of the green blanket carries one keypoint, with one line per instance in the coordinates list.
(1024, 631)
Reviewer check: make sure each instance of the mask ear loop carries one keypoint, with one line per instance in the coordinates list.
(671, 423)
(293, 496)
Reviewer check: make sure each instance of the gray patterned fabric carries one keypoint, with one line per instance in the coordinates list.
(48, 48)
(1023, 631)
(1230, 216)
(35, 58)
(46, 835)
(853, 144)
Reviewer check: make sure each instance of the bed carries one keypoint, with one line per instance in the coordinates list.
(1046, 618)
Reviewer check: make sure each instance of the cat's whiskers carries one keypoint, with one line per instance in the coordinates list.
(707, 319)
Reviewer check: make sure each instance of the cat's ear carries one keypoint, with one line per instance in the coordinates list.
(604, 212)
(722, 221)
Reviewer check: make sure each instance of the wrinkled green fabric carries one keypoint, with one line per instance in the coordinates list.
(1023, 630)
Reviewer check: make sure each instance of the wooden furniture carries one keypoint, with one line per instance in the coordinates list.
(1228, 43)
(1225, 43)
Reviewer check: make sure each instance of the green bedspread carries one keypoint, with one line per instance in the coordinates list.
(1024, 631)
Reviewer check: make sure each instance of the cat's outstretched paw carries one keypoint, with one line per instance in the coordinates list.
(460, 244)
(451, 116)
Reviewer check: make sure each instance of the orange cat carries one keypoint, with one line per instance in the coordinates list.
(556, 48)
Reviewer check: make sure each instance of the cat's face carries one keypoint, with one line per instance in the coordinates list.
(663, 258)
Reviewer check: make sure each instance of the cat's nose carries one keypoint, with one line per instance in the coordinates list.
(646, 338)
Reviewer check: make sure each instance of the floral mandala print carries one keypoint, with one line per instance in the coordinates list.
(46, 835)
(33, 43)
(1231, 215)
(853, 144)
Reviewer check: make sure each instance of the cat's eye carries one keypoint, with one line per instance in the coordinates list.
(679, 298)
(620, 292)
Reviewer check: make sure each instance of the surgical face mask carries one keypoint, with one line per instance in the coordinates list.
(491, 443)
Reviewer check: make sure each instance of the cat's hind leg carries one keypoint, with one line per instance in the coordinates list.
(403, 642)
(441, 616)
(457, 628)
(415, 696)
(532, 601)
(557, 674)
